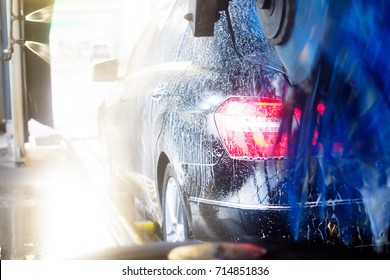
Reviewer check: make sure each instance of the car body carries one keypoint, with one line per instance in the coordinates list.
(167, 127)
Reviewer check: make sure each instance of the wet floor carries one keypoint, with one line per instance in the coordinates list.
(57, 205)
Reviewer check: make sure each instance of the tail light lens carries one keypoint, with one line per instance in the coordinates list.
(249, 127)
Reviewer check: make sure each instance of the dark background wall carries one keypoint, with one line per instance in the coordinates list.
(38, 83)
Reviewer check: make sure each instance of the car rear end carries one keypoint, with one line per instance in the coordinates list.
(253, 194)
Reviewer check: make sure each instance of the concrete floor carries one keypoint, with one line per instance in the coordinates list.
(56, 205)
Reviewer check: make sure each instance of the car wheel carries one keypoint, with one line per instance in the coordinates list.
(175, 225)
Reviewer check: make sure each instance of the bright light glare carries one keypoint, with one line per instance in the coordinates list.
(75, 224)
(83, 33)
(79, 219)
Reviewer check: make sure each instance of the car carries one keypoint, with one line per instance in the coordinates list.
(193, 133)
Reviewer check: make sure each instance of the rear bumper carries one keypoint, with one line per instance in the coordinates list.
(343, 223)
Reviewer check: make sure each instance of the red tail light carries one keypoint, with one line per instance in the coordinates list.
(249, 127)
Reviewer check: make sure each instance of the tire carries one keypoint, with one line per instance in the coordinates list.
(175, 224)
